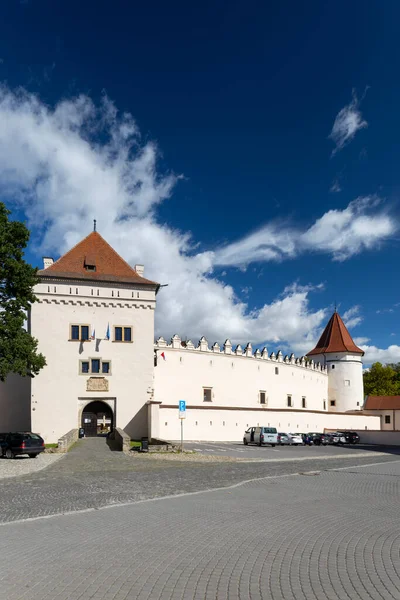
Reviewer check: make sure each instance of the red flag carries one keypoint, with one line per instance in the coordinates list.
(163, 355)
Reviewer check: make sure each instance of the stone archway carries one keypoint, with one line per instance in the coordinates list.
(97, 418)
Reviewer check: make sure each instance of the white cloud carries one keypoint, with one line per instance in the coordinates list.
(361, 341)
(335, 187)
(352, 317)
(339, 233)
(68, 165)
(382, 355)
(348, 121)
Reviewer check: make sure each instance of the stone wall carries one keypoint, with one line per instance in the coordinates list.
(66, 441)
(120, 440)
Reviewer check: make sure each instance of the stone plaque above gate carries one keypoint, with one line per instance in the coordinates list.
(97, 384)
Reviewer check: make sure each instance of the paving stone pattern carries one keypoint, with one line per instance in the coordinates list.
(91, 476)
(335, 535)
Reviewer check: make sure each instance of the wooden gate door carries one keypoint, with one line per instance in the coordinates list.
(89, 424)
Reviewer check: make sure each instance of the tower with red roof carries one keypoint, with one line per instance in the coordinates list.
(343, 359)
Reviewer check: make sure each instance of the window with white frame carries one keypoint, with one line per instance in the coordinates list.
(263, 397)
(303, 402)
(289, 400)
(347, 382)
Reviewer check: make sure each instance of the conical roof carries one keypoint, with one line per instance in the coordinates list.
(335, 338)
(93, 259)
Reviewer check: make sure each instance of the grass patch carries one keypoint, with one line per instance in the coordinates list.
(135, 444)
(51, 445)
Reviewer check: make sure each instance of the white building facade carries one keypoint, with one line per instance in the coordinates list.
(94, 320)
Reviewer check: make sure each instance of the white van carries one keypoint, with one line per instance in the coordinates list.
(260, 436)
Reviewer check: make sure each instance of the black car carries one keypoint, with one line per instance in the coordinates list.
(352, 437)
(13, 444)
(318, 438)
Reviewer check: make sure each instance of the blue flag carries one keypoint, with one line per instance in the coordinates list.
(108, 332)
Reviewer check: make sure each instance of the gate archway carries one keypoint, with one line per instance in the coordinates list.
(97, 419)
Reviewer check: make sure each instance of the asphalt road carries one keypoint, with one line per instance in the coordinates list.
(239, 450)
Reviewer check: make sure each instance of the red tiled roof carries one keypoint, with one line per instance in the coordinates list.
(94, 251)
(335, 338)
(382, 403)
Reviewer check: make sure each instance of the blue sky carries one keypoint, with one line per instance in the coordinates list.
(246, 153)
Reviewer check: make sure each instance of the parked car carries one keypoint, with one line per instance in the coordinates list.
(351, 437)
(284, 439)
(13, 444)
(296, 439)
(307, 441)
(318, 438)
(336, 438)
(260, 436)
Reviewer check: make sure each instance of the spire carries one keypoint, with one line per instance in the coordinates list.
(335, 338)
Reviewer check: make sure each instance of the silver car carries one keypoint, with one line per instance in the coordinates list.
(260, 436)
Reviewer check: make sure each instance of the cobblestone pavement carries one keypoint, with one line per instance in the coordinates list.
(334, 535)
(23, 465)
(91, 476)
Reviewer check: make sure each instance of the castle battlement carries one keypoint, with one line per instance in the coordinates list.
(176, 343)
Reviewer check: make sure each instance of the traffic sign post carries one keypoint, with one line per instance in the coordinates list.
(182, 415)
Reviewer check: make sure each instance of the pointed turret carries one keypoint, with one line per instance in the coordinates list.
(337, 351)
(335, 338)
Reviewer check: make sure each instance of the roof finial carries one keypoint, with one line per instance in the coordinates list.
(335, 307)
(94, 224)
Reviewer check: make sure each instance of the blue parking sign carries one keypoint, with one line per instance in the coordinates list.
(182, 405)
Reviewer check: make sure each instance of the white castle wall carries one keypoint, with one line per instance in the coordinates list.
(236, 378)
(229, 425)
(59, 391)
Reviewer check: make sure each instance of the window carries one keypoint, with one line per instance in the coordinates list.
(207, 394)
(387, 419)
(79, 333)
(263, 399)
(122, 334)
(333, 402)
(324, 404)
(347, 382)
(289, 400)
(333, 366)
(303, 402)
(94, 366)
(90, 267)
(276, 370)
(85, 366)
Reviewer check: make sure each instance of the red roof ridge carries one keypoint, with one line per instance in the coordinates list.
(335, 338)
(382, 403)
(108, 264)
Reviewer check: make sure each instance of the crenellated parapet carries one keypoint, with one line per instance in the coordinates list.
(176, 343)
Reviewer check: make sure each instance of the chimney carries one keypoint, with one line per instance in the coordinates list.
(47, 262)
(139, 270)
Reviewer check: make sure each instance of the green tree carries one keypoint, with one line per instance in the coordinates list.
(18, 349)
(381, 381)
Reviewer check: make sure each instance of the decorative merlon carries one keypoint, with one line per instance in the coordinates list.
(176, 343)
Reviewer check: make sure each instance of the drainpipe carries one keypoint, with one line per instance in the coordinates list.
(393, 420)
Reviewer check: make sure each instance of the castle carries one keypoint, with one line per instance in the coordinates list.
(94, 320)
